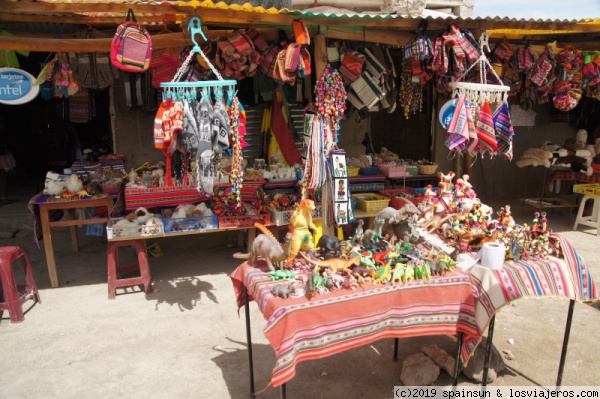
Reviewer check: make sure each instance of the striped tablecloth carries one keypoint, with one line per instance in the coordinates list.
(574, 176)
(299, 329)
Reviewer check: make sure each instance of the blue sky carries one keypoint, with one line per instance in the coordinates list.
(536, 9)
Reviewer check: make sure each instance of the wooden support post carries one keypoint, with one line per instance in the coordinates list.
(469, 164)
(320, 55)
(458, 160)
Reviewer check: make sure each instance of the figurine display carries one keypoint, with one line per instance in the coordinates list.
(394, 251)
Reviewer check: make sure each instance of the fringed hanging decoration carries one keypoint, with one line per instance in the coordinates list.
(236, 132)
(418, 54)
(504, 131)
(315, 174)
(458, 129)
(486, 134)
(330, 99)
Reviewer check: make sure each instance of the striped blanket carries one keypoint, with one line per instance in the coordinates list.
(553, 277)
(299, 329)
(172, 196)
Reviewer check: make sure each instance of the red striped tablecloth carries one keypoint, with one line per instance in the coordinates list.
(299, 329)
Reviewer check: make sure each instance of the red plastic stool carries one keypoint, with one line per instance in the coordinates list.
(142, 267)
(13, 300)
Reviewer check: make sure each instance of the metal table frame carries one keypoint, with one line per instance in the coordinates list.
(457, 368)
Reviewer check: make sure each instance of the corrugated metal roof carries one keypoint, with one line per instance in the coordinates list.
(324, 11)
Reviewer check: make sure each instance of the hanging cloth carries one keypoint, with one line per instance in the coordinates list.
(473, 140)
(281, 131)
(486, 133)
(504, 131)
(458, 131)
(190, 134)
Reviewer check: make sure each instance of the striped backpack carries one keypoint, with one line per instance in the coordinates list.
(131, 47)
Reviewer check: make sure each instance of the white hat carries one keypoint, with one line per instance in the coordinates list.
(581, 135)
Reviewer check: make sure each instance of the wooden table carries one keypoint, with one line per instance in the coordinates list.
(49, 204)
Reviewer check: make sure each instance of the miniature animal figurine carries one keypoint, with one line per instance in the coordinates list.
(301, 227)
(396, 222)
(73, 184)
(283, 291)
(358, 233)
(310, 285)
(267, 247)
(367, 238)
(329, 247)
(422, 271)
(398, 273)
(409, 274)
(335, 264)
(378, 234)
(350, 281)
(383, 273)
(282, 274)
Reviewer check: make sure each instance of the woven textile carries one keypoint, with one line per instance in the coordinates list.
(486, 134)
(458, 129)
(473, 143)
(504, 131)
(299, 329)
(352, 65)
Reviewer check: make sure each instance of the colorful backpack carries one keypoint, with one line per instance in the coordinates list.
(131, 48)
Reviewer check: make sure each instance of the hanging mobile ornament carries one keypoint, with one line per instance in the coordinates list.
(330, 99)
(236, 131)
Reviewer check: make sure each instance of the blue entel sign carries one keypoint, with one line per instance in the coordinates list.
(16, 86)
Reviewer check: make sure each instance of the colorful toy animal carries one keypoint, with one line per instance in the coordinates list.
(422, 271)
(329, 246)
(282, 275)
(398, 273)
(266, 246)
(284, 291)
(301, 227)
(383, 273)
(335, 264)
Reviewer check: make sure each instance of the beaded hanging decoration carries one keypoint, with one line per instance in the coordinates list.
(330, 99)
(237, 169)
(418, 53)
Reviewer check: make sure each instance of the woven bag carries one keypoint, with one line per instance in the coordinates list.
(131, 47)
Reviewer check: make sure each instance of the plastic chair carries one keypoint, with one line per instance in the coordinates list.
(590, 221)
(15, 295)
(142, 266)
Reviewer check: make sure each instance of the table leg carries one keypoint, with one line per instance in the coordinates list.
(458, 362)
(282, 392)
(395, 349)
(488, 352)
(240, 238)
(251, 237)
(249, 341)
(563, 354)
(49, 249)
(74, 240)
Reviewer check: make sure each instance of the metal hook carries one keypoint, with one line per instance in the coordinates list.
(484, 40)
(195, 26)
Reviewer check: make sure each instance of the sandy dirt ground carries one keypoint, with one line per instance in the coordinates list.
(187, 340)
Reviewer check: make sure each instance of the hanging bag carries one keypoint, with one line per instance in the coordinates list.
(131, 47)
